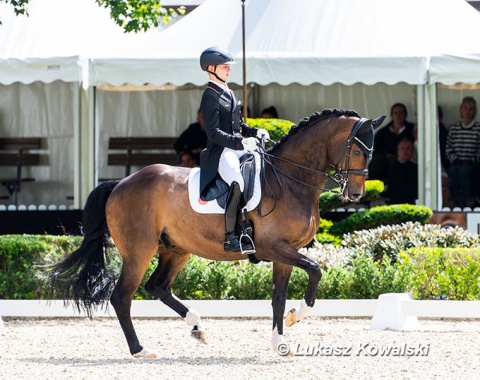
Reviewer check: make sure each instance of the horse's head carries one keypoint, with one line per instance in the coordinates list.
(352, 161)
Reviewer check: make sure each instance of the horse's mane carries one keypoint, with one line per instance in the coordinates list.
(309, 121)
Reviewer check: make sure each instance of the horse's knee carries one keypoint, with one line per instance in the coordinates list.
(315, 272)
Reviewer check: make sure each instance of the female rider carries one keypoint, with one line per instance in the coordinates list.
(228, 138)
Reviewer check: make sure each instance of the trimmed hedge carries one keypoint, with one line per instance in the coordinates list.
(276, 127)
(381, 216)
(19, 254)
(352, 272)
(436, 273)
(329, 201)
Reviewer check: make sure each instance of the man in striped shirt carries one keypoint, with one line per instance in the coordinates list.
(463, 149)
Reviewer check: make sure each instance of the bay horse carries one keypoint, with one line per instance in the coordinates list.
(149, 212)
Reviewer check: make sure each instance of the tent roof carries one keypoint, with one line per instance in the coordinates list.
(322, 41)
(58, 37)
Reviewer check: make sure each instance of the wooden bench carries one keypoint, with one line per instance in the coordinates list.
(13, 153)
(141, 151)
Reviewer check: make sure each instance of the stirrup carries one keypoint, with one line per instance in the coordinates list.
(246, 251)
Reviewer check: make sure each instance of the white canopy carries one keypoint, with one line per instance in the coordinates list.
(322, 41)
(305, 42)
(414, 42)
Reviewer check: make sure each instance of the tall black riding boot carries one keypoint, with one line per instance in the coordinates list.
(232, 243)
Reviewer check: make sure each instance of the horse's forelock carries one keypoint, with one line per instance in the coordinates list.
(313, 120)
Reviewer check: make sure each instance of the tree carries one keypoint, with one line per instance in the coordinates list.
(131, 15)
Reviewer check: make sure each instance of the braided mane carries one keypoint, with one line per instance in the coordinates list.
(312, 120)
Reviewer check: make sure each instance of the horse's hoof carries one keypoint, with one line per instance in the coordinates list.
(146, 353)
(198, 335)
(291, 318)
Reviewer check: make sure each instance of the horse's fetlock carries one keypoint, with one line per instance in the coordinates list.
(193, 319)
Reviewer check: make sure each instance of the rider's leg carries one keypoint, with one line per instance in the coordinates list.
(232, 243)
(229, 170)
(229, 167)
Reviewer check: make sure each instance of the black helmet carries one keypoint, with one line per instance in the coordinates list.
(215, 56)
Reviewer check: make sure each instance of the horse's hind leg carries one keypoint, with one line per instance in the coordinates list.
(121, 300)
(281, 277)
(170, 263)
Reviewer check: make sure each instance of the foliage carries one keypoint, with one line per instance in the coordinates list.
(332, 200)
(139, 15)
(434, 273)
(364, 278)
(275, 127)
(19, 254)
(203, 279)
(19, 6)
(383, 260)
(131, 15)
(391, 240)
(382, 216)
(327, 255)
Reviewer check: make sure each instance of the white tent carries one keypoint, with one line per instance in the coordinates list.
(305, 45)
(322, 41)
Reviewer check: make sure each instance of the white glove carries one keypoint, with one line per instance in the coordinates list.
(249, 144)
(263, 133)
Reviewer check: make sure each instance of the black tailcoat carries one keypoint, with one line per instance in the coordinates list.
(224, 128)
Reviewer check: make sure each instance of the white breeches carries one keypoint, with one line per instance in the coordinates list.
(229, 166)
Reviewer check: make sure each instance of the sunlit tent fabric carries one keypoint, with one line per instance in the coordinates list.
(323, 41)
(304, 42)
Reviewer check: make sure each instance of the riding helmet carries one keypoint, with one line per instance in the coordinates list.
(215, 56)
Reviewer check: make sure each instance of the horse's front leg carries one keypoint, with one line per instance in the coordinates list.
(306, 305)
(288, 255)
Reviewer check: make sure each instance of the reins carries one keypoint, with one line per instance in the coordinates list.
(337, 177)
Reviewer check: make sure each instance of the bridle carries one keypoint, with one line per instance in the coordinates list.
(339, 176)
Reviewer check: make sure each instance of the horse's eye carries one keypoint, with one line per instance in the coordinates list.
(356, 153)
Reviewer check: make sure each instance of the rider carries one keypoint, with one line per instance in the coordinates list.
(228, 138)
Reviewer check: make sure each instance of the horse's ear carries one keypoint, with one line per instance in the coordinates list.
(378, 121)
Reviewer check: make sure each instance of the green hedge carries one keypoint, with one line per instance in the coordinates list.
(436, 273)
(276, 127)
(362, 268)
(332, 200)
(19, 254)
(381, 216)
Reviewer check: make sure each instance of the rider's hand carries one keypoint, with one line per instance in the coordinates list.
(249, 144)
(263, 133)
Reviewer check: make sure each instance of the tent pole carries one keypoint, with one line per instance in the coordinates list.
(423, 185)
(85, 171)
(435, 167)
(245, 103)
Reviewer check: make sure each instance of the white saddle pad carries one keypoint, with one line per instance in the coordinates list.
(212, 207)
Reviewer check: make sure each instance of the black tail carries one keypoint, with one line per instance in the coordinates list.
(82, 276)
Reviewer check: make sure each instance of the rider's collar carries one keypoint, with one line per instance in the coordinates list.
(224, 87)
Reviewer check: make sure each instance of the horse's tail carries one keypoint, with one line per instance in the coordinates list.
(82, 276)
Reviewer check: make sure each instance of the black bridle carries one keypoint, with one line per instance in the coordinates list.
(339, 176)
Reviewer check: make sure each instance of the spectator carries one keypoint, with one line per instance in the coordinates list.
(269, 113)
(463, 152)
(187, 159)
(442, 136)
(193, 139)
(402, 175)
(387, 139)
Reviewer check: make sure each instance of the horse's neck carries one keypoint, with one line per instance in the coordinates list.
(292, 163)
